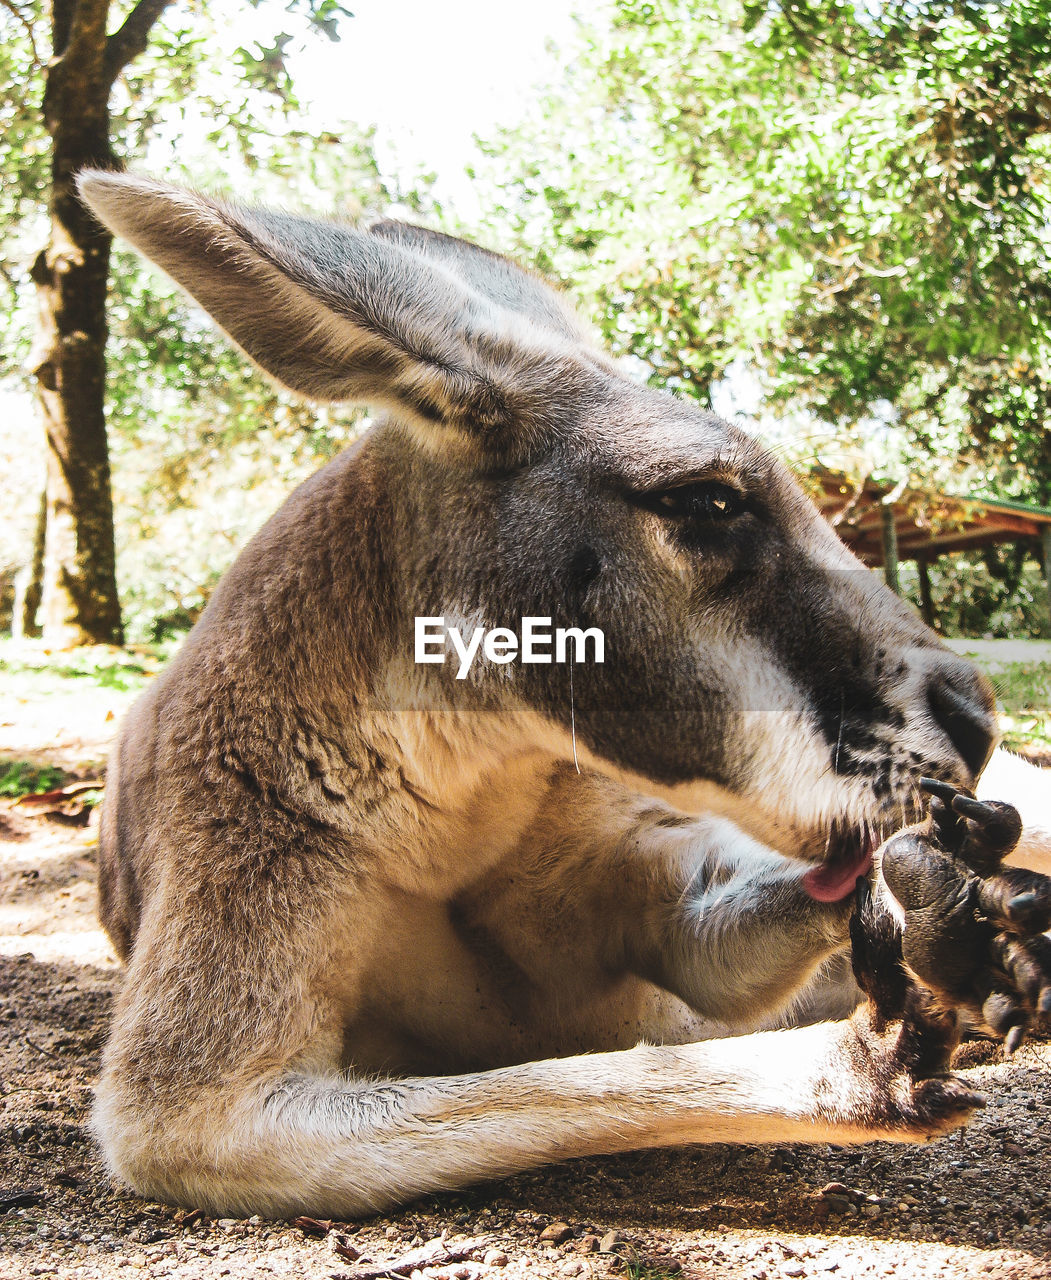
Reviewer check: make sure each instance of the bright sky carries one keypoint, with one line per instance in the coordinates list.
(431, 73)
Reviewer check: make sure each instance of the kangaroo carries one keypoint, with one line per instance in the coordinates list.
(393, 927)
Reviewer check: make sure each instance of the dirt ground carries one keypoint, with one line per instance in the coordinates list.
(975, 1204)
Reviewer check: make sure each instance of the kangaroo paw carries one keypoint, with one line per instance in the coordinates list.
(876, 956)
(973, 931)
(889, 1082)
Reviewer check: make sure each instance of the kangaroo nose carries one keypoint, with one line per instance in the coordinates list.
(961, 701)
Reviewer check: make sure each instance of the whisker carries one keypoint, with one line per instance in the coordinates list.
(573, 717)
(839, 734)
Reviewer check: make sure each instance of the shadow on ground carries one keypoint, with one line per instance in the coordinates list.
(973, 1204)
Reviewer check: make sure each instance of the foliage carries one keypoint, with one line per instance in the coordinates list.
(24, 167)
(23, 778)
(1023, 691)
(189, 419)
(997, 594)
(650, 1268)
(852, 200)
(179, 109)
(34, 672)
(957, 336)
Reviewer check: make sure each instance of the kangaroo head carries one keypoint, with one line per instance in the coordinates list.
(747, 654)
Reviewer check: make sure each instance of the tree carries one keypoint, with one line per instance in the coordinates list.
(71, 274)
(949, 317)
(850, 200)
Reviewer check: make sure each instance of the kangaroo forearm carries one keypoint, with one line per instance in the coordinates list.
(344, 1148)
(744, 949)
(692, 904)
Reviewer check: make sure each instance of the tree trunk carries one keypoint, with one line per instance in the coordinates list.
(926, 598)
(80, 603)
(27, 624)
(889, 538)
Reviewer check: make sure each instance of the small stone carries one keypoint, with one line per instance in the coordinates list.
(793, 1269)
(495, 1258)
(557, 1233)
(870, 1211)
(342, 1247)
(609, 1240)
(574, 1267)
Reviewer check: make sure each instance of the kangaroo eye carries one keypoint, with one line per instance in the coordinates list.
(708, 501)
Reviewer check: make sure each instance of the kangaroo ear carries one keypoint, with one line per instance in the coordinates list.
(491, 275)
(339, 314)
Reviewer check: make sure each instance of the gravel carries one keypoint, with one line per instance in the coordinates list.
(975, 1204)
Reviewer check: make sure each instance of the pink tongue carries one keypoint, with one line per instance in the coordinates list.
(836, 879)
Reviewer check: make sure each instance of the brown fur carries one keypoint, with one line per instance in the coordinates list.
(370, 912)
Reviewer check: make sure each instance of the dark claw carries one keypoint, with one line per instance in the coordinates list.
(943, 790)
(1014, 1039)
(1020, 901)
(950, 826)
(981, 813)
(941, 812)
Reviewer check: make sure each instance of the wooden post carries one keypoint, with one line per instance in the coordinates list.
(926, 599)
(889, 537)
(1046, 539)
